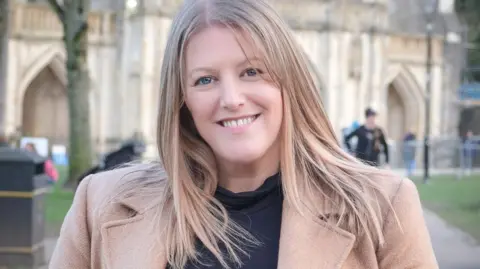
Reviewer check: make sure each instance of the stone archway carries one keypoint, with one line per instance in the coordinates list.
(405, 110)
(396, 126)
(45, 108)
(396, 119)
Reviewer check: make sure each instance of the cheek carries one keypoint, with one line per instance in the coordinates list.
(201, 108)
(279, 105)
(276, 106)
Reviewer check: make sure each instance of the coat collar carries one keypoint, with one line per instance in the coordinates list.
(304, 242)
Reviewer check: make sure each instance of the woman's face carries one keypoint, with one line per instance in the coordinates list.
(235, 107)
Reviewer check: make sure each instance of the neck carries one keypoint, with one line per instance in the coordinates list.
(370, 125)
(237, 177)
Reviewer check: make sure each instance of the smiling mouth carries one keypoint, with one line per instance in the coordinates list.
(238, 122)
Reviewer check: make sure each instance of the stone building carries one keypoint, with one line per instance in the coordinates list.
(361, 52)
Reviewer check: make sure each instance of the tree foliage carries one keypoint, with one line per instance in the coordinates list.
(469, 10)
(73, 14)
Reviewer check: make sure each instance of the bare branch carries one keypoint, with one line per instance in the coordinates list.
(58, 10)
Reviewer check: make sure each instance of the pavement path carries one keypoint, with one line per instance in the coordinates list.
(49, 247)
(453, 248)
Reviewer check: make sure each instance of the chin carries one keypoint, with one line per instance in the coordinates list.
(242, 156)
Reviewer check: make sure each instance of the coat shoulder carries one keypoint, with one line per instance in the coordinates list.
(116, 190)
(393, 185)
(402, 205)
(407, 242)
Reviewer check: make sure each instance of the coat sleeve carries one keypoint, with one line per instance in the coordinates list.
(347, 138)
(73, 247)
(407, 241)
(383, 140)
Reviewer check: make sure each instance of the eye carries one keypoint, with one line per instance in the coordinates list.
(203, 81)
(252, 72)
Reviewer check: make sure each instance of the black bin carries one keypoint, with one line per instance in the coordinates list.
(23, 185)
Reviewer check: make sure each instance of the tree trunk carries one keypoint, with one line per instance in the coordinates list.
(74, 14)
(78, 92)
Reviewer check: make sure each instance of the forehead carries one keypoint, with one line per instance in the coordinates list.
(219, 45)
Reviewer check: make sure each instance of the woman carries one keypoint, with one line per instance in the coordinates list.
(252, 175)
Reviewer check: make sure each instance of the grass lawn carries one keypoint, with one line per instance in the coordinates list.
(456, 201)
(56, 206)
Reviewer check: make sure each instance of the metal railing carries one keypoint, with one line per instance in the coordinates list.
(445, 153)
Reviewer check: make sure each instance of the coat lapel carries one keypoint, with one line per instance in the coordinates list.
(129, 244)
(308, 243)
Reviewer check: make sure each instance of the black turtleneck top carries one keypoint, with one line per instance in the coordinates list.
(260, 213)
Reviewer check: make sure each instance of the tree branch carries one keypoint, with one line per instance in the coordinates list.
(58, 10)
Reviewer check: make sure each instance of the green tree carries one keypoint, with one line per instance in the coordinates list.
(73, 14)
(469, 12)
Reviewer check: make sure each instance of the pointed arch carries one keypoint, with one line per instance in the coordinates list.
(48, 77)
(54, 58)
(45, 108)
(412, 96)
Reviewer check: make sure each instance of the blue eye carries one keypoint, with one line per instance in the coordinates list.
(251, 72)
(203, 81)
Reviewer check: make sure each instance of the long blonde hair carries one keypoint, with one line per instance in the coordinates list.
(313, 165)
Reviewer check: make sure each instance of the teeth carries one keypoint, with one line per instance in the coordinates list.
(239, 122)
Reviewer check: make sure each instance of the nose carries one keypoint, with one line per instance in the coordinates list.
(232, 97)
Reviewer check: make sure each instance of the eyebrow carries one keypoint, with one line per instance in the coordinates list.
(212, 70)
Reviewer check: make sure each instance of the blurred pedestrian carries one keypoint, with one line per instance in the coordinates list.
(409, 152)
(371, 140)
(31, 147)
(469, 146)
(49, 167)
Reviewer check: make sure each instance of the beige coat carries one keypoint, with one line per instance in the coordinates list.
(117, 236)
